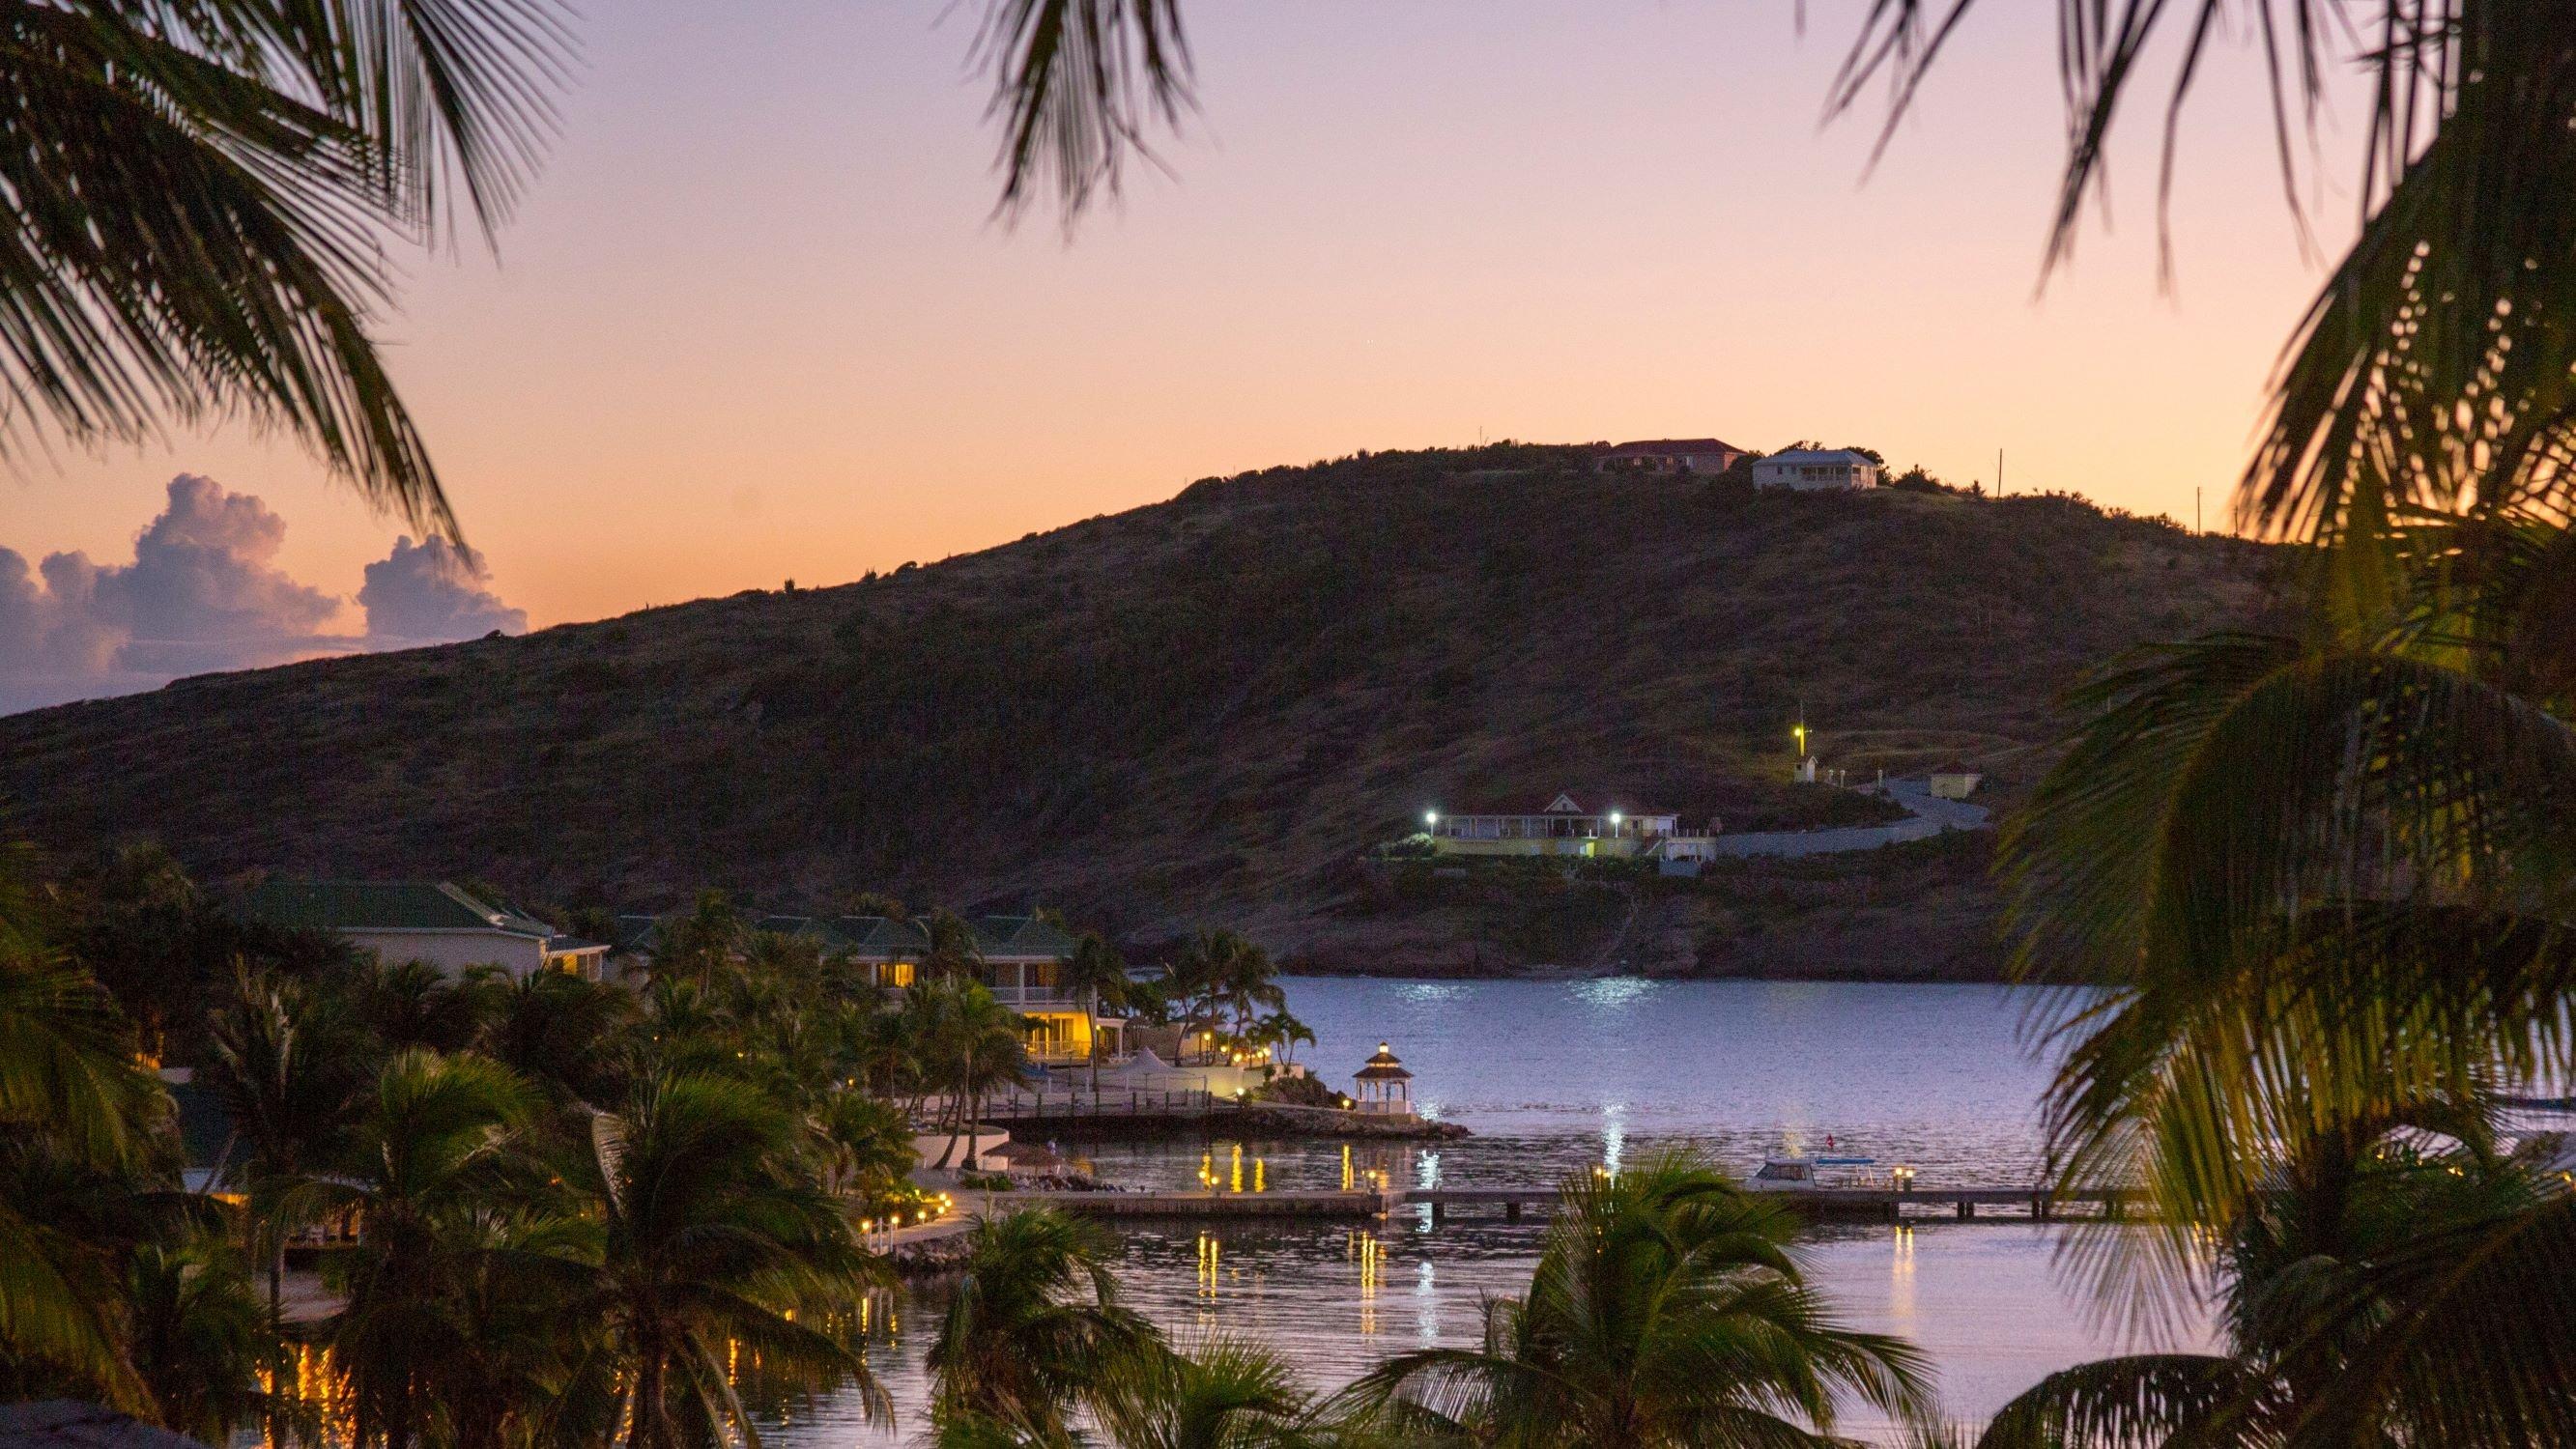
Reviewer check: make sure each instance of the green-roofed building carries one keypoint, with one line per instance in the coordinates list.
(430, 921)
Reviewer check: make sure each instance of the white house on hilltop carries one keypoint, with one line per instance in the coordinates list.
(1816, 470)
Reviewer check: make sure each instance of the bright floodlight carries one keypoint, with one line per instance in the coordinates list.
(1430, 817)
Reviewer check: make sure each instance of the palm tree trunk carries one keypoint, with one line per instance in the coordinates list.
(645, 1421)
(957, 1105)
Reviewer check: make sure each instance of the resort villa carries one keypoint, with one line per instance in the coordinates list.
(432, 921)
(1668, 455)
(1020, 959)
(1814, 470)
(1566, 826)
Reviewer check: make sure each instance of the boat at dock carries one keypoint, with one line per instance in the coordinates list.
(1799, 1172)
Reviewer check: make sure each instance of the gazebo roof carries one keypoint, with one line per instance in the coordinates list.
(1383, 1067)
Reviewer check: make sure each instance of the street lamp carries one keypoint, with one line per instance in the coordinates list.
(1430, 819)
(1614, 822)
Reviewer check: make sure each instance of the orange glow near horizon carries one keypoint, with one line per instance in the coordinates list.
(755, 324)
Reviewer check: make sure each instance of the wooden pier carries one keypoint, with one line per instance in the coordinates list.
(1837, 1203)
(1884, 1204)
(1201, 1203)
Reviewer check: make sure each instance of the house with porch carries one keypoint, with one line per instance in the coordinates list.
(421, 920)
(1596, 825)
(1816, 470)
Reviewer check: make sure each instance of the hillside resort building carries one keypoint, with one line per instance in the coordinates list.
(1567, 827)
(1816, 470)
(433, 921)
(1018, 958)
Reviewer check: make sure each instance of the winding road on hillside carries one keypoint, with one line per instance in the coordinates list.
(1928, 816)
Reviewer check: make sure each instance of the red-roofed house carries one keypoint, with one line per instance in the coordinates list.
(1668, 455)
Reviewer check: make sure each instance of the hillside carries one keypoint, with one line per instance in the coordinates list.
(1202, 711)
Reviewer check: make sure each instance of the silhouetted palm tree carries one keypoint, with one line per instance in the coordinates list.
(2325, 1343)
(201, 1339)
(435, 1145)
(1223, 1394)
(287, 1062)
(1668, 1309)
(970, 1045)
(713, 1235)
(563, 1032)
(1033, 1329)
(73, 1103)
(1098, 974)
(202, 196)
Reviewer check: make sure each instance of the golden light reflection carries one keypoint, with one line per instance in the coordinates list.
(1210, 1265)
(1900, 1288)
(319, 1386)
(1346, 1167)
(1371, 1256)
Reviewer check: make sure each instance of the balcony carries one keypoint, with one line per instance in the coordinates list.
(1037, 998)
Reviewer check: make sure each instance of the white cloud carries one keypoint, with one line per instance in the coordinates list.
(204, 593)
(431, 593)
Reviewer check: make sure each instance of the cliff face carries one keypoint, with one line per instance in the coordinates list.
(1201, 711)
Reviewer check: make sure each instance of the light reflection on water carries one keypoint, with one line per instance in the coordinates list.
(1558, 1077)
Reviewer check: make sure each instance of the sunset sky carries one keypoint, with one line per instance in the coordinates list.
(755, 323)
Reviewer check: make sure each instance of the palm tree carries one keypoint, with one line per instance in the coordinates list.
(435, 1145)
(2318, 1297)
(1098, 974)
(714, 1235)
(952, 947)
(1281, 1030)
(287, 1062)
(200, 1337)
(1224, 1394)
(563, 1032)
(1034, 1328)
(464, 1318)
(1222, 975)
(970, 1045)
(203, 197)
(1668, 1308)
(415, 1004)
(73, 1103)
(703, 944)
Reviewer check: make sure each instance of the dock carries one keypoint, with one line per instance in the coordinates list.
(1863, 1204)
(1202, 1203)
(1885, 1204)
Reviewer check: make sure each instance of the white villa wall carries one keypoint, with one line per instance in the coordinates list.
(454, 951)
(1815, 477)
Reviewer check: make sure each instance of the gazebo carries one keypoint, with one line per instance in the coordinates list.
(1385, 1087)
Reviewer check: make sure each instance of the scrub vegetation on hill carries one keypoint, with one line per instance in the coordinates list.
(1204, 709)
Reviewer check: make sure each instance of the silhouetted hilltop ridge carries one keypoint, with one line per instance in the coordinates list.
(1197, 711)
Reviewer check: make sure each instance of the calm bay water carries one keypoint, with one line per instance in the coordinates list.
(1560, 1076)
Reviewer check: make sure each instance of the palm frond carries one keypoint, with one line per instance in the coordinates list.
(1078, 84)
(2147, 1401)
(2478, 1347)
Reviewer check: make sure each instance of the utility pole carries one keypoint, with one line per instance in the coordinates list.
(1999, 472)
(2195, 508)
